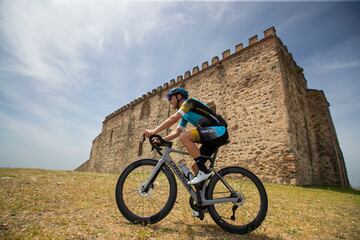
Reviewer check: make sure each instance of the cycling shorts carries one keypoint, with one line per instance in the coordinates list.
(214, 135)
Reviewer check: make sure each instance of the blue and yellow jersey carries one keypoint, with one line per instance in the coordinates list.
(199, 115)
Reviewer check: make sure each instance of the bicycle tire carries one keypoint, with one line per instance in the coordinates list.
(243, 176)
(165, 177)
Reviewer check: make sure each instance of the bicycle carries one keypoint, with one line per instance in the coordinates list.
(146, 191)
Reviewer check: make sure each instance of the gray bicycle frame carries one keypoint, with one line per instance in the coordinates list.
(169, 162)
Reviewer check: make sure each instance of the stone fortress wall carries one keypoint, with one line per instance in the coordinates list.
(279, 129)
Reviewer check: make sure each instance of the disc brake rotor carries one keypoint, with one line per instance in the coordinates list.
(148, 193)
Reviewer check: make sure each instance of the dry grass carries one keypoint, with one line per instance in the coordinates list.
(41, 204)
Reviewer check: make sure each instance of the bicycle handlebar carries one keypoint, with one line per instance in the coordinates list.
(156, 142)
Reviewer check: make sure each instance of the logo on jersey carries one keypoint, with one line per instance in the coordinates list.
(209, 130)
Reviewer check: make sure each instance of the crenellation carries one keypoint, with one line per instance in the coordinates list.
(188, 74)
(226, 54)
(253, 40)
(270, 32)
(179, 78)
(214, 60)
(204, 65)
(239, 47)
(279, 129)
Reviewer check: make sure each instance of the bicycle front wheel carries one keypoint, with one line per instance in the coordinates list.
(145, 207)
(247, 214)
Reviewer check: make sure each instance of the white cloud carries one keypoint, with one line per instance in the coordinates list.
(336, 65)
(49, 53)
(300, 14)
(50, 41)
(65, 65)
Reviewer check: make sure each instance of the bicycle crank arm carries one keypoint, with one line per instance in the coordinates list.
(233, 210)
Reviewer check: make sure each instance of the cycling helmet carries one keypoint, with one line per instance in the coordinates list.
(175, 91)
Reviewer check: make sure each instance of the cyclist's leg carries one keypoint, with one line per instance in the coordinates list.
(208, 149)
(211, 137)
(188, 139)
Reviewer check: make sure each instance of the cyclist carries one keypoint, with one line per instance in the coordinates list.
(211, 130)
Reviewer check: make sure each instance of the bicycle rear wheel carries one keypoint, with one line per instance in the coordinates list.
(145, 207)
(246, 215)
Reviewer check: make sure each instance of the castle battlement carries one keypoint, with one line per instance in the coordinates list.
(239, 48)
(279, 129)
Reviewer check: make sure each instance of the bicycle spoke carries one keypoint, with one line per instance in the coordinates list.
(246, 213)
(153, 200)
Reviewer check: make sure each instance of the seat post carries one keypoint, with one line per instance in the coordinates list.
(213, 158)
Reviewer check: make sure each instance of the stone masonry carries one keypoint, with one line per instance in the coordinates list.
(279, 129)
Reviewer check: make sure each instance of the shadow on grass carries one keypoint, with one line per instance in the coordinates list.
(195, 231)
(334, 189)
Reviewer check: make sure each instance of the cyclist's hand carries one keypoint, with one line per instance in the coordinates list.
(148, 132)
(156, 142)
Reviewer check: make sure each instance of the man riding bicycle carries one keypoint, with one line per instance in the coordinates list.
(211, 130)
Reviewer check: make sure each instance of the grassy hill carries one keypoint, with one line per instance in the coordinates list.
(42, 204)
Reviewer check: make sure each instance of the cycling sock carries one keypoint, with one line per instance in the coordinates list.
(200, 162)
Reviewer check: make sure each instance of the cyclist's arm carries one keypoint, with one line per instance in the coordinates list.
(168, 122)
(174, 134)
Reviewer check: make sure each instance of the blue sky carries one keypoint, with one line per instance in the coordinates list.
(65, 65)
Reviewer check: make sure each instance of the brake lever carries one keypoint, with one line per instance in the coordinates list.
(157, 147)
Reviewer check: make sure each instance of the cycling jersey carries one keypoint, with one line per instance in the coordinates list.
(199, 115)
(210, 126)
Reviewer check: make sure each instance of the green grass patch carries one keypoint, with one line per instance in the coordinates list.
(41, 204)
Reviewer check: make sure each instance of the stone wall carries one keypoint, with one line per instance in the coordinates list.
(295, 97)
(329, 167)
(262, 94)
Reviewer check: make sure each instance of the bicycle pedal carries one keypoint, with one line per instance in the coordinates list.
(195, 213)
